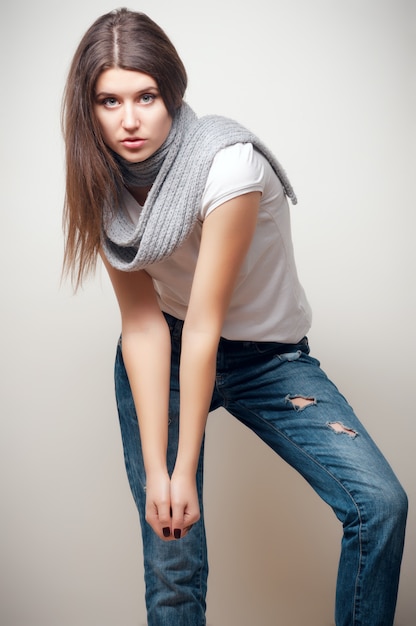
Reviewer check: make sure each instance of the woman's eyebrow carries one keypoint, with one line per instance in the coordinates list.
(105, 92)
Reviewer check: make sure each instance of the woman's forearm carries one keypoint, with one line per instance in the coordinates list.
(197, 377)
(146, 355)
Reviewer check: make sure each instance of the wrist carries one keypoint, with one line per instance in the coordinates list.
(156, 471)
(155, 462)
(184, 470)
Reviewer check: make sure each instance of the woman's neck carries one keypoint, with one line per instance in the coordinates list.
(140, 193)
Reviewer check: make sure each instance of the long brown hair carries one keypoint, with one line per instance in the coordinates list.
(131, 41)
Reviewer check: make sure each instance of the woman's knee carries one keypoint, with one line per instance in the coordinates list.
(387, 507)
(399, 503)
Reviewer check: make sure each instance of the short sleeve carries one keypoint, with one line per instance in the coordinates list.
(236, 170)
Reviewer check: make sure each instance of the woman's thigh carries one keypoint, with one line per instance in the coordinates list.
(289, 401)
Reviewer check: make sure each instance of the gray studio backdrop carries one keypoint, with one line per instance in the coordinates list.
(329, 85)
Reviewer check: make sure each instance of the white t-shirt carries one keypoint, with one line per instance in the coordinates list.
(268, 302)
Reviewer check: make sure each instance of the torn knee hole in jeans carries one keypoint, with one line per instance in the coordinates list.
(340, 429)
(300, 402)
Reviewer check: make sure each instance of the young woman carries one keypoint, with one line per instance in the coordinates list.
(191, 219)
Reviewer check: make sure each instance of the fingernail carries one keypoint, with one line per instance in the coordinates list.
(177, 533)
(166, 531)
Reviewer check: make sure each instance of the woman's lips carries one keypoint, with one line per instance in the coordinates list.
(132, 143)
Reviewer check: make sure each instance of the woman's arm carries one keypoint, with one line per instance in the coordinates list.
(146, 354)
(226, 235)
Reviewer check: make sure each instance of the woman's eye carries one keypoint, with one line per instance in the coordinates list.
(147, 98)
(110, 102)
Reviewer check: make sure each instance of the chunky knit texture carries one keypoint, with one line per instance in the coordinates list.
(177, 172)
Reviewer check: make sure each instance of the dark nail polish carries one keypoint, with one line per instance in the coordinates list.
(177, 533)
(166, 531)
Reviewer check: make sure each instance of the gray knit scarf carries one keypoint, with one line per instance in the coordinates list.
(177, 172)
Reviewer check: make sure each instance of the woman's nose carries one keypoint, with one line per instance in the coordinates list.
(130, 119)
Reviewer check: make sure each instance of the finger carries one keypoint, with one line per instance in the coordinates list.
(178, 523)
(183, 519)
(160, 521)
(165, 520)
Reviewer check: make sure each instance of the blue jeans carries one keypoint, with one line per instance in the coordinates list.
(263, 385)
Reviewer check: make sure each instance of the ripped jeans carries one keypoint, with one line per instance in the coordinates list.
(281, 394)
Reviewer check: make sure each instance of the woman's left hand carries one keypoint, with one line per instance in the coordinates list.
(184, 503)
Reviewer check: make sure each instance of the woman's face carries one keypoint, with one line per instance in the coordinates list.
(131, 113)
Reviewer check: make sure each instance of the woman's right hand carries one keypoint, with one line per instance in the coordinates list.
(158, 504)
(172, 506)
